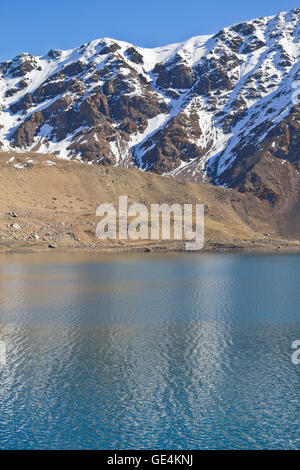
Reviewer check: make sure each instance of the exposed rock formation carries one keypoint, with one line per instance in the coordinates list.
(220, 108)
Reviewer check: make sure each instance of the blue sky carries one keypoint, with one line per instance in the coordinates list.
(36, 26)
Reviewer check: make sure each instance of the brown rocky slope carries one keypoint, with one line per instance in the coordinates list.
(48, 203)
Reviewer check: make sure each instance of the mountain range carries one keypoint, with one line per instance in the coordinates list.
(222, 108)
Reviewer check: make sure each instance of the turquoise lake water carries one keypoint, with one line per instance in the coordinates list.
(146, 352)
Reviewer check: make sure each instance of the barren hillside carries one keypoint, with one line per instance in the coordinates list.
(47, 201)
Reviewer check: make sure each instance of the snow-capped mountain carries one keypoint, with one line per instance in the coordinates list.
(213, 108)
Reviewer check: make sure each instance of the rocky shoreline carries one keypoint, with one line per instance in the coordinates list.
(8, 247)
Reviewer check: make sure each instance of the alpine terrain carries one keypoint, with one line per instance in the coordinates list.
(222, 109)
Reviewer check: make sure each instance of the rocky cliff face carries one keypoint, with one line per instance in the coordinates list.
(221, 108)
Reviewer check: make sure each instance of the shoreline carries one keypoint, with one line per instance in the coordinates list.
(11, 247)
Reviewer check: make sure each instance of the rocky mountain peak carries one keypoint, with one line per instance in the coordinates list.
(207, 109)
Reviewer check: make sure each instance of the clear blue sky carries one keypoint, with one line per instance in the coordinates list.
(36, 26)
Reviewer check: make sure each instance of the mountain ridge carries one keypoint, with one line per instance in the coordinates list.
(220, 108)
